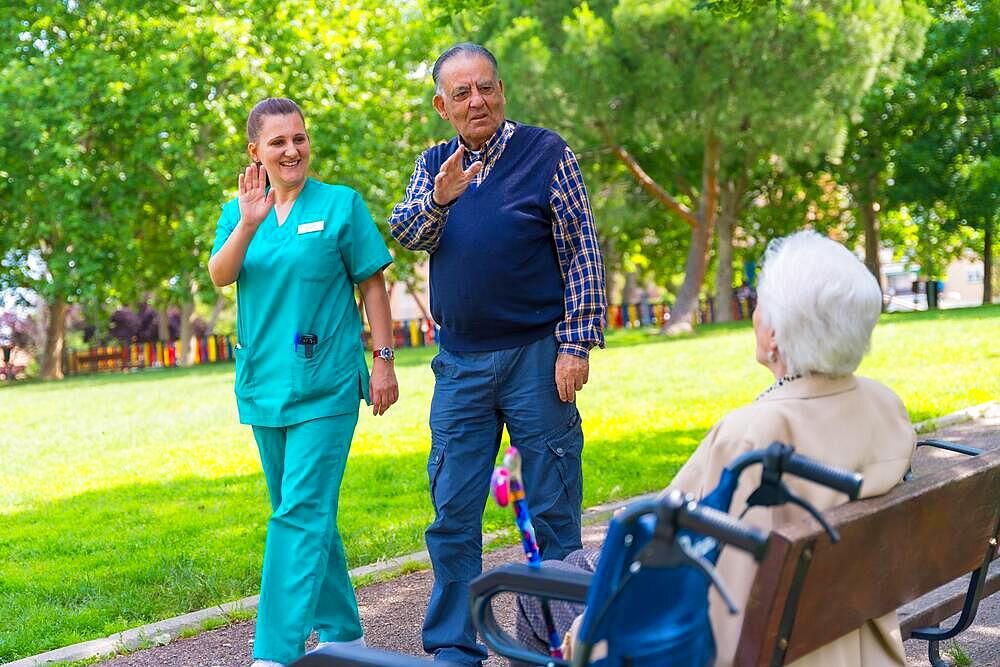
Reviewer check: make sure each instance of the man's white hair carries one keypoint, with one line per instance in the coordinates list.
(821, 302)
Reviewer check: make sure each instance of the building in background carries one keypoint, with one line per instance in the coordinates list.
(905, 287)
(963, 283)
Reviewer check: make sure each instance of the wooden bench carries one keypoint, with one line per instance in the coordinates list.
(914, 541)
(89, 361)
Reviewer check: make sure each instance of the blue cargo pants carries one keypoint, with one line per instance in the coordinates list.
(476, 394)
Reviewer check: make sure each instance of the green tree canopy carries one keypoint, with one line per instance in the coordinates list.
(691, 102)
(944, 169)
(128, 130)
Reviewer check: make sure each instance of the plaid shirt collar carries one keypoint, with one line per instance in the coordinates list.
(492, 148)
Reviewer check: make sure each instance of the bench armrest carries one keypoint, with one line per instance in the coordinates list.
(945, 445)
(950, 446)
(519, 578)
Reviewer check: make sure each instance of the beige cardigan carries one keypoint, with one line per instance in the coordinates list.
(850, 422)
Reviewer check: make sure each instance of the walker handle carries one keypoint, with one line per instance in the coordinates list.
(723, 527)
(845, 481)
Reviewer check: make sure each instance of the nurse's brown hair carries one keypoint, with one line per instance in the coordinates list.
(272, 106)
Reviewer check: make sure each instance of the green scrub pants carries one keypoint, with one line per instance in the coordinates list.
(305, 584)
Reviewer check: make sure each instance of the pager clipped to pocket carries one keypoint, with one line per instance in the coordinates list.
(308, 341)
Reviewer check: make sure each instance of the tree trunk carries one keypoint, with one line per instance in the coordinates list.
(873, 236)
(628, 289)
(163, 324)
(724, 253)
(687, 302)
(608, 250)
(220, 303)
(682, 314)
(187, 335)
(988, 263)
(414, 294)
(54, 338)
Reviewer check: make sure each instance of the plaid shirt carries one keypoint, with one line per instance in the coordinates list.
(418, 221)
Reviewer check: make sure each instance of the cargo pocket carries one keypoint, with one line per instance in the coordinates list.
(443, 367)
(314, 376)
(566, 446)
(435, 462)
(244, 373)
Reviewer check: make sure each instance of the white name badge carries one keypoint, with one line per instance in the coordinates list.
(307, 227)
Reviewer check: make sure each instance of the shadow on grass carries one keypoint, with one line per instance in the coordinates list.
(421, 356)
(104, 561)
(405, 358)
(119, 377)
(651, 335)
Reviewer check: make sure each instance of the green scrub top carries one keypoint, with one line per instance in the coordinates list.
(298, 279)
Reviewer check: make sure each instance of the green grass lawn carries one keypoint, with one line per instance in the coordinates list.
(130, 498)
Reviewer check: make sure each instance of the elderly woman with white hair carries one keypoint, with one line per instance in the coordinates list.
(817, 307)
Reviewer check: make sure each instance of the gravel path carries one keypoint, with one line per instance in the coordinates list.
(392, 611)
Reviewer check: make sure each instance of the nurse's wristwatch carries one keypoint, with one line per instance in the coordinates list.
(384, 353)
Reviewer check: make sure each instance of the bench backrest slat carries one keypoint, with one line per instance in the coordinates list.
(893, 548)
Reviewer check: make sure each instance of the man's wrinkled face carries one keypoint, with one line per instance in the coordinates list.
(470, 98)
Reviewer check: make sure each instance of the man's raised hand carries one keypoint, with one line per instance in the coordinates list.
(451, 180)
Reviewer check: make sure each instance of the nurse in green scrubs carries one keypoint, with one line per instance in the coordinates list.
(296, 247)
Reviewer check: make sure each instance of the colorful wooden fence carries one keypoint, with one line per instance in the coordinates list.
(212, 349)
(652, 314)
(636, 315)
(207, 350)
(406, 333)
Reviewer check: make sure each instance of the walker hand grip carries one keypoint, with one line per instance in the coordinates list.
(846, 482)
(723, 527)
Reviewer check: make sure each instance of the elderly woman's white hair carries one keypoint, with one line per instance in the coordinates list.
(821, 302)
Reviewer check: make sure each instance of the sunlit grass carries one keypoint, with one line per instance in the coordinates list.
(130, 498)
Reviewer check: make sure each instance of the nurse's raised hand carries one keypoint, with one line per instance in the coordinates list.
(255, 200)
(255, 203)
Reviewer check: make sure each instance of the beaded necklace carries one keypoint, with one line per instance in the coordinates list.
(780, 382)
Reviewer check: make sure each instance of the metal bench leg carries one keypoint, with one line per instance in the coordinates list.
(934, 654)
(934, 635)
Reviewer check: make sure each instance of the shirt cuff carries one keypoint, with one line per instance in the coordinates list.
(434, 209)
(576, 349)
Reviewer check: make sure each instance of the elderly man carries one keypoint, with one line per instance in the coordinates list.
(517, 285)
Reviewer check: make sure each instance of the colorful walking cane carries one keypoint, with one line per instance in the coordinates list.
(508, 489)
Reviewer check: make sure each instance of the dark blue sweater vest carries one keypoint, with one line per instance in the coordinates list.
(495, 277)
